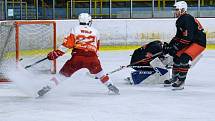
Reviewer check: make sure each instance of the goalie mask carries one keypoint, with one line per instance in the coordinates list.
(180, 8)
(85, 19)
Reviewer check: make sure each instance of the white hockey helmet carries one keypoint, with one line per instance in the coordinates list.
(85, 18)
(180, 5)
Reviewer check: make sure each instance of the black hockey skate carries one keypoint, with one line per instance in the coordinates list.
(43, 91)
(178, 85)
(167, 83)
(113, 89)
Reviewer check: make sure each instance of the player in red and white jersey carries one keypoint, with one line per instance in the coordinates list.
(83, 37)
(84, 42)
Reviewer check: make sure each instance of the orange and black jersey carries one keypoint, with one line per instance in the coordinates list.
(189, 31)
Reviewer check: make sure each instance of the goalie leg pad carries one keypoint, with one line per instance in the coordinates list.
(140, 76)
(158, 66)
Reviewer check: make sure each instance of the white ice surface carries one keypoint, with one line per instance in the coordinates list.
(84, 99)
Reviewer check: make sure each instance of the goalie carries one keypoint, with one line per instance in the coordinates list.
(152, 66)
(84, 40)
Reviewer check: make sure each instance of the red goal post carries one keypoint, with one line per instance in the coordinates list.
(31, 39)
(17, 25)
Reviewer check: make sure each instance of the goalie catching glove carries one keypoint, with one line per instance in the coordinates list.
(54, 54)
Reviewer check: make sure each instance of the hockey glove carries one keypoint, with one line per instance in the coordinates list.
(175, 45)
(179, 44)
(172, 50)
(165, 48)
(54, 54)
(169, 49)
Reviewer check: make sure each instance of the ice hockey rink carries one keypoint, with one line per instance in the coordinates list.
(82, 98)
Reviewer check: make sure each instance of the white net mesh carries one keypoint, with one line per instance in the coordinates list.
(6, 30)
(33, 41)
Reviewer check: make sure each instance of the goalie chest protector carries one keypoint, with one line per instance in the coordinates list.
(140, 53)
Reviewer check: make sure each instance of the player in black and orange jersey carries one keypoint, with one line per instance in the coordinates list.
(188, 43)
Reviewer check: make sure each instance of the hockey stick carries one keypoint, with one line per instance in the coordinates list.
(127, 66)
(41, 60)
(130, 65)
(121, 67)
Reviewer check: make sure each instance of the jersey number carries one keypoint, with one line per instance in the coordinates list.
(87, 40)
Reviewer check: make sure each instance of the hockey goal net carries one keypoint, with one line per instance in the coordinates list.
(24, 43)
